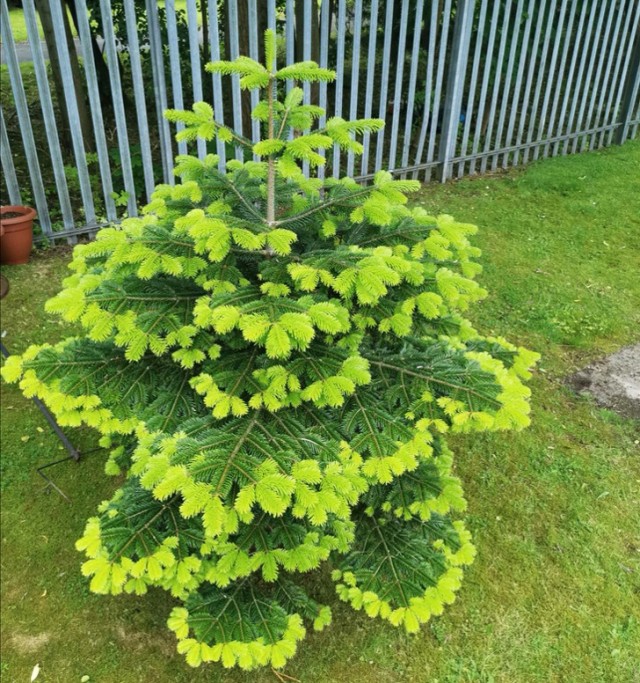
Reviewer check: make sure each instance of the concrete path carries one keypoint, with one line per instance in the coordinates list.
(23, 50)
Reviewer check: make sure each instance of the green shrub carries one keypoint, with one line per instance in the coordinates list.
(275, 361)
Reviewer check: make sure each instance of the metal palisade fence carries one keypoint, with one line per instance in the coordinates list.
(465, 86)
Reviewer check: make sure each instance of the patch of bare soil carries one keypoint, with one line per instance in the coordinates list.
(614, 382)
(28, 643)
(141, 641)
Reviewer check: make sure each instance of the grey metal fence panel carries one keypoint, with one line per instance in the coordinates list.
(587, 80)
(581, 85)
(118, 106)
(518, 84)
(71, 104)
(507, 85)
(355, 74)
(484, 89)
(455, 86)
(475, 69)
(253, 53)
(234, 51)
(96, 111)
(413, 79)
(306, 56)
(342, 9)
(632, 124)
(553, 78)
(634, 38)
(397, 96)
(544, 75)
(139, 96)
(368, 98)
(384, 80)
(8, 168)
(426, 114)
(26, 129)
(46, 103)
(530, 78)
(435, 110)
(569, 79)
(160, 90)
(196, 73)
(609, 114)
(174, 62)
(496, 86)
(218, 100)
(596, 85)
(636, 124)
(606, 80)
(462, 83)
(561, 70)
(325, 21)
(290, 36)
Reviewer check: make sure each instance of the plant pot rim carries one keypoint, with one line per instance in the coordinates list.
(26, 213)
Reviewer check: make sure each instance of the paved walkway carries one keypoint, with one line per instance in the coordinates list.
(23, 50)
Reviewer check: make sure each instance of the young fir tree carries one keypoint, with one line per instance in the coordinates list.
(276, 362)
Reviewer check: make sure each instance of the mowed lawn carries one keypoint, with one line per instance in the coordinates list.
(554, 594)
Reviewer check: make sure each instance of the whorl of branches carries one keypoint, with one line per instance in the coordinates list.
(275, 362)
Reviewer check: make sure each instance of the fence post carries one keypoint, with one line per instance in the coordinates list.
(630, 96)
(455, 85)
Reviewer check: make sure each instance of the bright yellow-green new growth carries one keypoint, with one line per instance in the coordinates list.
(275, 362)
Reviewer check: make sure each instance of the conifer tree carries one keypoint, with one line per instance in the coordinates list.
(276, 362)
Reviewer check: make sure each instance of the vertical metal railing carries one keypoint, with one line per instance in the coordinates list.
(629, 86)
(397, 93)
(175, 66)
(26, 129)
(384, 79)
(95, 105)
(355, 74)
(553, 82)
(139, 96)
(324, 62)
(627, 30)
(118, 106)
(464, 85)
(342, 8)
(218, 100)
(75, 125)
(48, 114)
(455, 85)
(8, 168)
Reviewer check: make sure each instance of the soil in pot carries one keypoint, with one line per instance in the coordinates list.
(16, 228)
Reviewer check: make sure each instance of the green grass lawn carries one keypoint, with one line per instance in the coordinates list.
(19, 28)
(554, 594)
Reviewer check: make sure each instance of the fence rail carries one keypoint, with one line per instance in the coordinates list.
(466, 86)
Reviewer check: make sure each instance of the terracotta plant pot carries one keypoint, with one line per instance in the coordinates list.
(16, 230)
